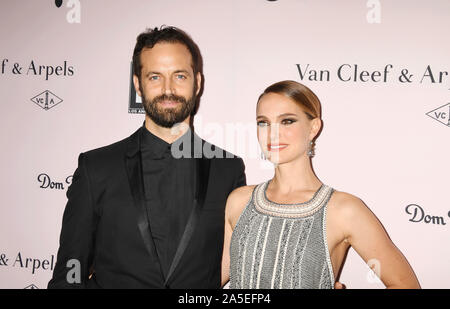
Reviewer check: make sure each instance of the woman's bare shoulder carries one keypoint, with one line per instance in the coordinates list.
(344, 198)
(240, 196)
(236, 202)
(344, 210)
(346, 205)
(241, 192)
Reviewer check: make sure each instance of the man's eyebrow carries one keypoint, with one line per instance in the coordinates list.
(182, 71)
(152, 73)
(158, 73)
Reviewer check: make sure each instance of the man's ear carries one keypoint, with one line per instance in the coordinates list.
(199, 83)
(136, 85)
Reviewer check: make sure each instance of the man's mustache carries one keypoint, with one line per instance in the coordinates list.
(171, 97)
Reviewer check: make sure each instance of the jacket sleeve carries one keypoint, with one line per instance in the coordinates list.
(240, 178)
(76, 243)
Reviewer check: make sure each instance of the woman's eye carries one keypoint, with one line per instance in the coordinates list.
(288, 121)
(262, 124)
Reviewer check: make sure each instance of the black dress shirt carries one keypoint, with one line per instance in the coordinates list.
(169, 193)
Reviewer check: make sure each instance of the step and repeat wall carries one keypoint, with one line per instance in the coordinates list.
(380, 68)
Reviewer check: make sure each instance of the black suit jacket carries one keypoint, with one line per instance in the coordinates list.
(106, 229)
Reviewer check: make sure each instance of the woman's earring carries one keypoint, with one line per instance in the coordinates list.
(311, 150)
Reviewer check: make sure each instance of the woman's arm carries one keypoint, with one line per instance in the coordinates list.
(236, 202)
(226, 253)
(367, 236)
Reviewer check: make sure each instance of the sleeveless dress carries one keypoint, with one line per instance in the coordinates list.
(281, 246)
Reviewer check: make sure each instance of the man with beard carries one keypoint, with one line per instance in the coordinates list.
(148, 211)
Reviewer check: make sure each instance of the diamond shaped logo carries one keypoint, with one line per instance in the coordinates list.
(31, 287)
(441, 114)
(46, 100)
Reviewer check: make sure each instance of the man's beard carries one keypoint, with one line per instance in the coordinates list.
(167, 117)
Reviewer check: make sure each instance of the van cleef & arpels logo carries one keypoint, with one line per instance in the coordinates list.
(441, 114)
(33, 68)
(46, 100)
(388, 73)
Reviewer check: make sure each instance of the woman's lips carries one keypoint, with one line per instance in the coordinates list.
(276, 147)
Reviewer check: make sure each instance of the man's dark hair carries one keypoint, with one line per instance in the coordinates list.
(166, 34)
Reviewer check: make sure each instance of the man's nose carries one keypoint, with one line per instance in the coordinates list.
(168, 87)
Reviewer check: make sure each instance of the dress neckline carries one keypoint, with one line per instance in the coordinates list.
(308, 202)
(296, 210)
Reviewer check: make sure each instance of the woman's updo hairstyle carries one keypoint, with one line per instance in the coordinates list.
(300, 94)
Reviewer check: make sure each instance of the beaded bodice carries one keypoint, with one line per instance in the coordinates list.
(281, 245)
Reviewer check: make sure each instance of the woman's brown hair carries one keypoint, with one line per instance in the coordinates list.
(300, 94)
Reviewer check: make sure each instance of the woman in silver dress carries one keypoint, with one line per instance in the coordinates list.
(293, 231)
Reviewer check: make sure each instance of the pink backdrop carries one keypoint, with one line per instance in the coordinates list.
(386, 141)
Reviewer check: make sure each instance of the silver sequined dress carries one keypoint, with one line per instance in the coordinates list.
(281, 246)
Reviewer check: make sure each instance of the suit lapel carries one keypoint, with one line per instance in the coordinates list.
(202, 166)
(133, 165)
